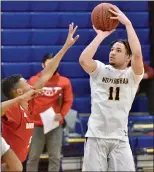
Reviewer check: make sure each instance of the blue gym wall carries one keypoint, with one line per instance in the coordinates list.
(30, 29)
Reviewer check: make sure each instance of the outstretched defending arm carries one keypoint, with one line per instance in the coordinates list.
(25, 97)
(49, 70)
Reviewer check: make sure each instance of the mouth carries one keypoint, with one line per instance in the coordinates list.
(111, 58)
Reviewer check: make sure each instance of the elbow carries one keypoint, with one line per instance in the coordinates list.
(19, 167)
(82, 61)
(16, 167)
(82, 58)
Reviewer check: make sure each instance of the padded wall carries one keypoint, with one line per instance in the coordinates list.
(32, 28)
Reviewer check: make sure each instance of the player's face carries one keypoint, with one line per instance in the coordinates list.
(118, 56)
(22, 86)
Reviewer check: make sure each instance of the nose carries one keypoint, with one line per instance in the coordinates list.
(112, 53)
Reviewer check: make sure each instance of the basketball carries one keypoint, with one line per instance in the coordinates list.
(100, 17)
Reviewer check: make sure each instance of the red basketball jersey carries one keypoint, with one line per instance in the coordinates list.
(17, 130)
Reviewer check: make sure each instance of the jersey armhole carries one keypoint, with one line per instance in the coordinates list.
(95, 73)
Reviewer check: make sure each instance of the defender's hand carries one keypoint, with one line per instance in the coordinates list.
(70, 40)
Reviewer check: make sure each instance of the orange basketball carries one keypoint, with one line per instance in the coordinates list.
(100, 17)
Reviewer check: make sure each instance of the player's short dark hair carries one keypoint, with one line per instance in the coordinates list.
(8, 84)
(47, 56)
(126, 44)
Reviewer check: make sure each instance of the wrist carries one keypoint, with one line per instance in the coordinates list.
(128, 24)
(66, 47)
(20, 99)
(100, 38)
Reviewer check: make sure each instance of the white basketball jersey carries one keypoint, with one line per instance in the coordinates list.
(112, 94)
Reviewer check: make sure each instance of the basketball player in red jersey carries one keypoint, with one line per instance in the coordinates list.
(17, 125)
(10, 162)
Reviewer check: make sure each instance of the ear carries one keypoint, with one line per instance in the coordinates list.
(19, 91)
(129, 60)
(43, 66)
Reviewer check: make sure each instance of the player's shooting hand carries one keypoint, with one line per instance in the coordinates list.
(119, 15)
(58, 117)
(103, 34)
(70, 40)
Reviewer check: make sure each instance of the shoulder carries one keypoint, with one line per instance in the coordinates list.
(133, 76)
(65, 80)
(15, 108)
(12, 115)
(99, 69)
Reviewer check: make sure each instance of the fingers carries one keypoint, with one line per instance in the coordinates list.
(113, 12)
(114, 18)
(71, 27)
(76, 38)
(94, 28)
(40, 91)
(74, 30)
(116, 8)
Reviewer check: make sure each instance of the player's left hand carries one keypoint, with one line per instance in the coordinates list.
(70, 40)
(119, 15)
(103, 34)
(58, 117)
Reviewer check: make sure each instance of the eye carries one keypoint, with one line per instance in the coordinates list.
(118, 51)
(111, 49)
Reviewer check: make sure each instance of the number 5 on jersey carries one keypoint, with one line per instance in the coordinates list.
(114, 93)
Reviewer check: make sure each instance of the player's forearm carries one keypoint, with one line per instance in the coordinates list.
(89, 52)
(133, 41)
(12, 163)
(49, 70)
(7, 104)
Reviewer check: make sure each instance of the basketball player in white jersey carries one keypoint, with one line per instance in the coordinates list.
(113, 88)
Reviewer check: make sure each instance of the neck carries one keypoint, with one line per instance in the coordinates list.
(24, 105)
(120, 67)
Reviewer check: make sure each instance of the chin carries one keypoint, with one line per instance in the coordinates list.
(112, 64)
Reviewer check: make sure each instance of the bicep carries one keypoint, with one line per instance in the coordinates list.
(137, 65)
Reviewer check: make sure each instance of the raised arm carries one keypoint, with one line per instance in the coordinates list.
(86, 57)
(49, 70)
(25, 97)
(136, 61)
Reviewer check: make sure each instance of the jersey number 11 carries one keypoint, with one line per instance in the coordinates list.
(114, 93)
